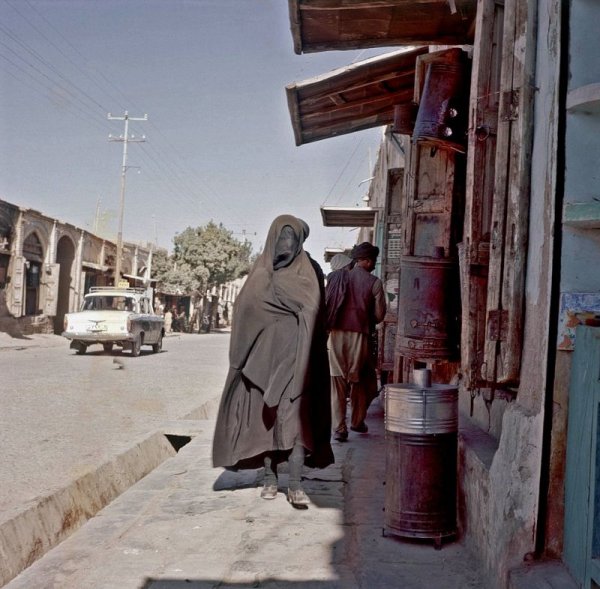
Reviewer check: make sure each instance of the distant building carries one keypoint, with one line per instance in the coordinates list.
(47, 265)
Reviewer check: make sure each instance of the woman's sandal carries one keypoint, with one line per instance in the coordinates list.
(269, 492)
(298, 498)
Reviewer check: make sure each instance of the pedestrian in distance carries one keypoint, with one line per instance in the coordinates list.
(355, 304)
(168, 321)
(182, 320)
(174, 320)
(275, 405)
(340, 262)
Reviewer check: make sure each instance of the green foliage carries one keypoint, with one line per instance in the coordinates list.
(161, 262)
(203, 257)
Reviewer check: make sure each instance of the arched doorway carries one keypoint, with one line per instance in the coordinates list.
(33, 252)
(65, 254)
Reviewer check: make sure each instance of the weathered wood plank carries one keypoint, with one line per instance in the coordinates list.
(322, 25)
(511, 196)
(483, 122)
(369, 4)
(517, 218)
(342, 105)
(433, 201)
(498, 219)
(410, 182)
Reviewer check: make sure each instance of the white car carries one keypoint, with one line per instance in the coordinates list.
(115, 316)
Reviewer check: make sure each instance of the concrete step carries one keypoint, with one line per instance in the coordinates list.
(552, 574)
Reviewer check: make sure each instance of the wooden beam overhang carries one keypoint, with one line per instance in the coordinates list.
(326, 25)
(348, 216)
(356, 97)
(331, 252)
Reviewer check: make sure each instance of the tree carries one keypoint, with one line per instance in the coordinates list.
(203, 257)
(213, 248)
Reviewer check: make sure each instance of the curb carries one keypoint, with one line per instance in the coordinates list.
(29, 534)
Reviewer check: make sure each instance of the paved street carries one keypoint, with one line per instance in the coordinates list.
(77, 431)
(186, 524)
(64, 415)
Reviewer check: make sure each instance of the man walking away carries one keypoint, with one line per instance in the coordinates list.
(352, 321)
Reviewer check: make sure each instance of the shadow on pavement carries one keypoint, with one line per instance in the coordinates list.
(268, 583)
(362, 555)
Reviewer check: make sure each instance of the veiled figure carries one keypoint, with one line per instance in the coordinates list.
(275, 404)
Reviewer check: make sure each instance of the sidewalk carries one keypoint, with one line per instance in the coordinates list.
(36, 340)
(187, 525)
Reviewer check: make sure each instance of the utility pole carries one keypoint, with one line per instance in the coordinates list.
(125, 139)
(97, 217)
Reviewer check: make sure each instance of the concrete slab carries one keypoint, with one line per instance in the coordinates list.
(542, 575)
(189, 525)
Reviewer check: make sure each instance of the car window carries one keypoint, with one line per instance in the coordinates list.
(95, 303)
(144, 305)
(109, 303)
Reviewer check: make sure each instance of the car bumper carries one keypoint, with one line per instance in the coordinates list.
(98, 338)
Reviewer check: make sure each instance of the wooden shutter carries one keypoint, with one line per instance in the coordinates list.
(509, 223)
(50, 274)
(17, 286)
(392, 249)
(483, 129)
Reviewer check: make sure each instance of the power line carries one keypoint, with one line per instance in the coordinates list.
(343, 169)
(44, 62)
(51, 89)
(85, 102)
(83, 70)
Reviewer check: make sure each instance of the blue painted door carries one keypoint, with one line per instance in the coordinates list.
(582, 484)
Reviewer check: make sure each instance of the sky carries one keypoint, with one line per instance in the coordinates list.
(218, 143)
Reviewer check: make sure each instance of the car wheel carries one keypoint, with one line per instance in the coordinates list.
(136, 346)
(80, 349)
(157, 347)
(107, 348)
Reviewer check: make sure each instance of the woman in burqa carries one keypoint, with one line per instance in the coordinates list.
(275, 404)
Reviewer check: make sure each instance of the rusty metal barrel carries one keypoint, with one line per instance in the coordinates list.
(443, 115)
(404, 118)
(421, 426)
(429, 299)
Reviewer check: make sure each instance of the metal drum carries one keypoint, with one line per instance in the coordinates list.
(443, 115)
(413, 409)
(429, 298)
(421, 461)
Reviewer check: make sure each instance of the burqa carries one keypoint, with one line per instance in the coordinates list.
(277, 389)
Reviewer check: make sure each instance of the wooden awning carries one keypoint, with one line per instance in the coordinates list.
(331, 252)
(324, 25)
(95, 266)
(140, 278)
(348, 216)
(359, 96)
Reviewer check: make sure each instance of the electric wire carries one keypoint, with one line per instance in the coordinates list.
(165, 162)
(52, 68)
(43, 74)
(83, 70)
(359, 143)
(43, 61)
(75, 109)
